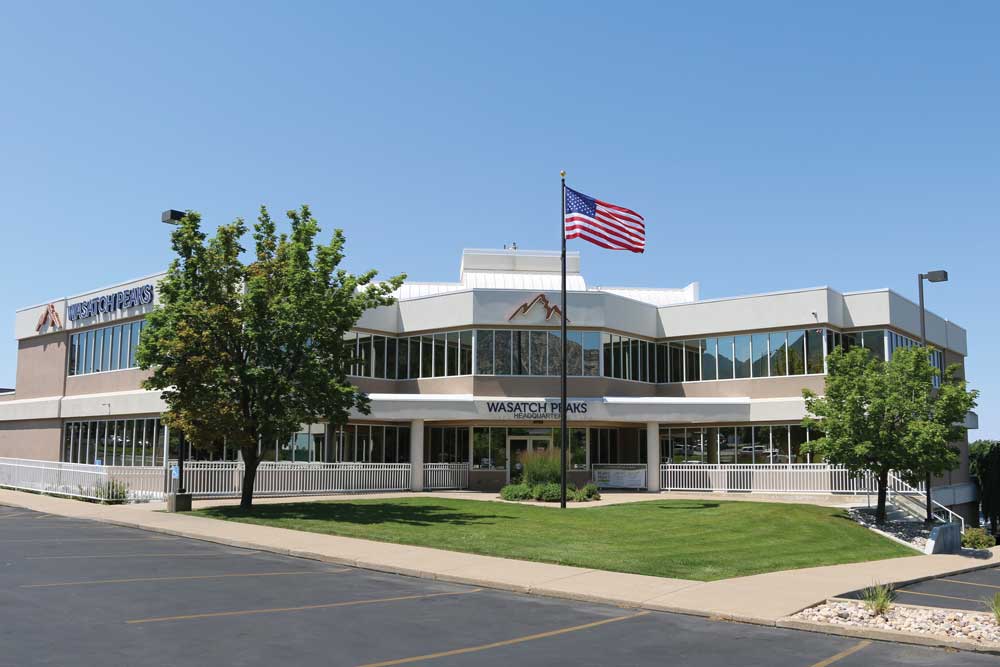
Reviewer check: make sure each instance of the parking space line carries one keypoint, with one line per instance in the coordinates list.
(276, 610)
(969, 583)
(938, 595)
(93, 539)
(505, 642)
(182, 578)
(13, 514)
(843, 654)
(179, 554)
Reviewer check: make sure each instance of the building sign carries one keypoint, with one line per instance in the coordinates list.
(620, 478)
(109, 303)
(50, 317)
(526, 307)
(534, 410)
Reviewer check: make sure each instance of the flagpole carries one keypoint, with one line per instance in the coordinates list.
(563, 435)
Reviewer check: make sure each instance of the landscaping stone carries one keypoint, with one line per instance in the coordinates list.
(951, 624)
(912, 532)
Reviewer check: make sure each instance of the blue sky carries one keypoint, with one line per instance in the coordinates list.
(769, 145)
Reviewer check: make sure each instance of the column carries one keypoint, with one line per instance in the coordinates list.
(417, 455)
(653, 456)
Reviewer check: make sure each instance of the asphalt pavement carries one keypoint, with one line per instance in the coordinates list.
(971, 591)
(87, 593)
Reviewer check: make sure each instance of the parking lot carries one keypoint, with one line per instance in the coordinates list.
(83, 593)
(970, 591)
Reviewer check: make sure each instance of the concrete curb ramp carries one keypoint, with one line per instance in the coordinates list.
(764, 599)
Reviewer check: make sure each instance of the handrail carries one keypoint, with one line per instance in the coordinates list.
(898, 486)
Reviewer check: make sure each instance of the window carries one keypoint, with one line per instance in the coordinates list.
(758, 355)
(709, 352)
(779, 359)
(414, 354)
(484, 352)
(591, 353)
(104, 349)
(814, 351)
(609, 364)
(465, 352)
(502, 346)
(520, 346)
(874, 342)
(553, 365)
(378, 345)
(364, 366)
(440, 356)
(676, 361)
(726, 358)
(574, 353)
(741, 356)
(391, 356)
(796, 352)
(453, 354)
(537, 352)
(426, 356)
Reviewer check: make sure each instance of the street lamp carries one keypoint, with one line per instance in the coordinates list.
(938, 276)
(180, 500)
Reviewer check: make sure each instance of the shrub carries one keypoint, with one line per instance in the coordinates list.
(549, 493)
(878, 598)
(516, 492)
(540, 467)
(977, 538)
(590, 491)
(994, 605)
(111, 491)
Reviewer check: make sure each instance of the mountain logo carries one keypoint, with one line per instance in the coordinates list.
(50, 317)
(526, 307)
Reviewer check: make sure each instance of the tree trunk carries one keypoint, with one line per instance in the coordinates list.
(883, 485)
(249, 477)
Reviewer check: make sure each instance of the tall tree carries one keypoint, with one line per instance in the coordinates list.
(247, 351)
(984, 459)
(880, 416)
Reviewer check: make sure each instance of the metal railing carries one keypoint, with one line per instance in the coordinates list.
(81, 480)
(913, 500)
(446, 476)
(762, 478)
(225, 478)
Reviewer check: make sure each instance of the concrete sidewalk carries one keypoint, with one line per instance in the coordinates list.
(763, 598)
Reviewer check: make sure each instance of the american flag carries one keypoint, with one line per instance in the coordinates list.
(603, 224)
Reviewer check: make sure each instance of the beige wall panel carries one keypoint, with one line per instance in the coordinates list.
(35, 439)
(786, 310)
(584, 387)
(100, 383)
(41, 366)
(784, 387)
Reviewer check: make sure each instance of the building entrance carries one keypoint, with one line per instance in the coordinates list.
(517, 445)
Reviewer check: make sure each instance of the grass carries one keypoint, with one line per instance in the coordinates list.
(686, 539)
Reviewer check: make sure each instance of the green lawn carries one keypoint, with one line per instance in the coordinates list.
(687, 539)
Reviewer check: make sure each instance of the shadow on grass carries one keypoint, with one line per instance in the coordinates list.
(361, 514)
(689, 506)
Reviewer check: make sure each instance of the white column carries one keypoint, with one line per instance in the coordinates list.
(653, 456)
(417, 455)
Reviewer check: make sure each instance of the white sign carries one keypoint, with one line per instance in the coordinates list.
(620, 478)
(533, 410)
(175, 473)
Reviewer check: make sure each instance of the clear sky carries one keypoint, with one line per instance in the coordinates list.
(769, 145)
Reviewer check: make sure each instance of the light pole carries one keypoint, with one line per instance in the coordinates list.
(179, 501)
(934, 277)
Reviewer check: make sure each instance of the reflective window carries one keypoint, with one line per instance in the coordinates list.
(591, 353)
(758, 355)
(796, 352)
(779, 357)
(440, 356)
(692, 360)
(502, 341)
(553, 365)
(484, 352)
(378, 356)
(537, 352)
(709, 352)
(453, 354)
(520, 346)
(574, 353)
(465, 352)
(814, 351)
(414, 357)
(427, 356)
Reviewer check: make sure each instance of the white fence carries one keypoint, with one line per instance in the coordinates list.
(446, 476)
(107, 483)
(765, 478)
(225, 478)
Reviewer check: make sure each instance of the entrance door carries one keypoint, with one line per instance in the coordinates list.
(516, 445)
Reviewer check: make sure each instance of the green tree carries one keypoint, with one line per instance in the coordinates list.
(247, 351)
(880, 416)
(984, 459)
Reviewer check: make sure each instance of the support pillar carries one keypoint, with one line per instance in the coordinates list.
(417, 455)
(653, 456)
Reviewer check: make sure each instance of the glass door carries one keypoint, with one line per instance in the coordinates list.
(517, 445)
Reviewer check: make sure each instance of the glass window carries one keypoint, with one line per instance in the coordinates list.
(621, 357)
(709, 352)
(520, 347)
(484, 352)
(440, 356)
(537, 352)
(574, 353)
(378, 344)
(481, 455)
(849, 341)
(779, 360)
(797, 437)
(364, 365)
(661, 362)
(874, 342)
(796, 352)
(635, 360)
(692, 360)
(401, 348)
(136, 328)
(609, 363)
(697, 446)
(71, 367)
(758, 352)
(762, 444)
(741, 356)
(554, 364)
(378, 445)
(465, 352)
(676, 361)
(502, 343)
(403, 447)
(727, 445)
(87, 351)
(98, 350)
(452, 365)
(426, 356)
(814, 351)
(414, 360)
(779, 444)
(725, 358)
(125, 346)
(591, 353)
(743, 441)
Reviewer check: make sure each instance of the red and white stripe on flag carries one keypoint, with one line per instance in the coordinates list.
(603, 224)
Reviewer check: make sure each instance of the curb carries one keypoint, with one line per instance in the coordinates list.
(886, 636)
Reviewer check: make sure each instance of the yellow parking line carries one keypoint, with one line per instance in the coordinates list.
(969, 583)
(95, 539)
(937, 595)
(275, 610)
(182, 578)
(505, 642)
(843, 654)
(196, 554)
(13, 514)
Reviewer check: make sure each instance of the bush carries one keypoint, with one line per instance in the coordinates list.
(540, 467)
(977, 538)
(994, 605)
(111, 491)
(878, 598)
(590, 492)
(549, 493)
(516, 492)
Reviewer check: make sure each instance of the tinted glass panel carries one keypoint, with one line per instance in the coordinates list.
(537, 352)
(554, 364)
(484, 352)
(521, 349)
(874, 342)
(709, 352)
(758, 349)
(796, 352)
(136, 328)
(452, 365)
(591, 353)
(414, 360)
(726, 358)
(427, 356)
(465, 352)
(692, 360)
(814, 351)
(676, 362)
(609, 370)
(502, 345)
(440, 355)
(779, 362)
(574, 353)
(378, 367)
